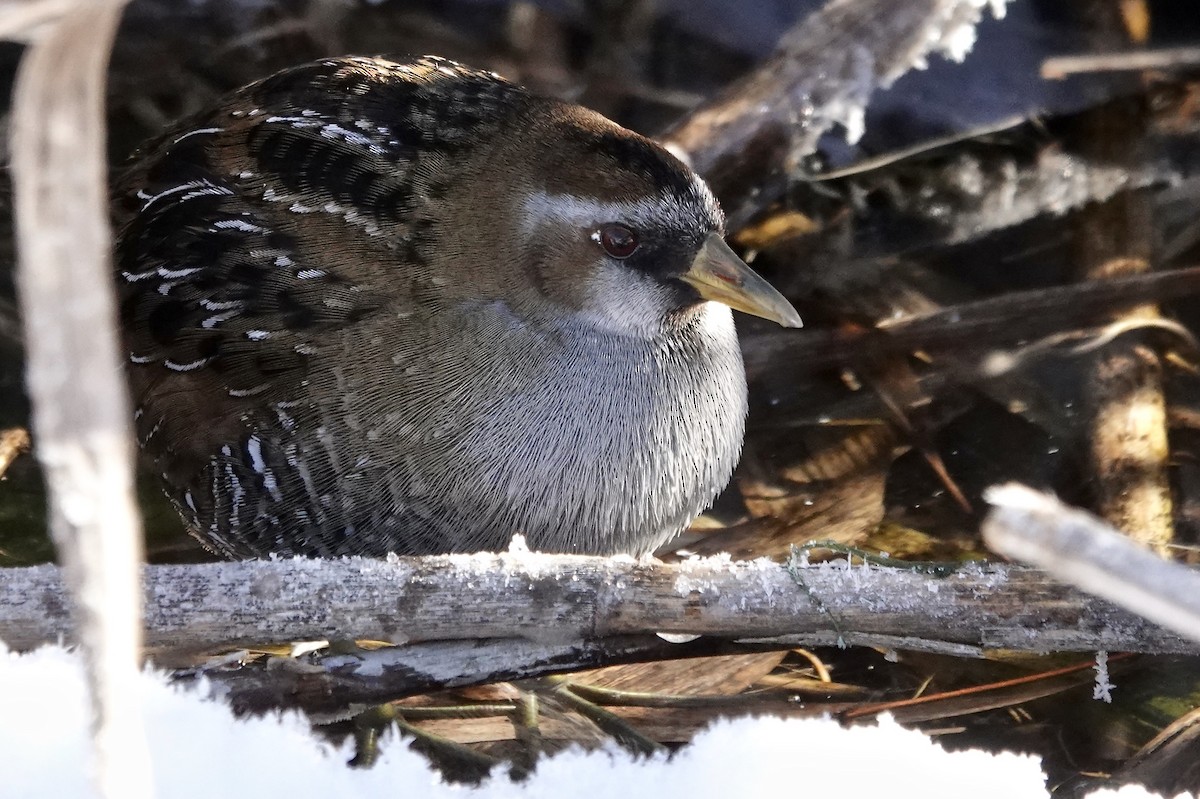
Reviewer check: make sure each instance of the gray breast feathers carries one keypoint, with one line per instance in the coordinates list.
(580, 444)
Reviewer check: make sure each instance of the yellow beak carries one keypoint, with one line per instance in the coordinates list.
(719, 275)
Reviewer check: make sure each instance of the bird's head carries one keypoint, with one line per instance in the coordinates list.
(613, 229)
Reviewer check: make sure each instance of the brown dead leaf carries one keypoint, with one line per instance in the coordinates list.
(709, 676)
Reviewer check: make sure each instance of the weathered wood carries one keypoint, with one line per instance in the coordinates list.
(564, 598)
(1084, 551)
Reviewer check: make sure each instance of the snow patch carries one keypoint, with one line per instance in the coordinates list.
(199, 749)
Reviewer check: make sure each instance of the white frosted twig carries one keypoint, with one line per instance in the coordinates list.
(1080, 549)
(823, 74)
(557, 598)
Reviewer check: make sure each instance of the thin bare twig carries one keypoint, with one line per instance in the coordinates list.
(81, 416)
(1059, 67)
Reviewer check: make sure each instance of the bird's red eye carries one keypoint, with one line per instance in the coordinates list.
(617, 240)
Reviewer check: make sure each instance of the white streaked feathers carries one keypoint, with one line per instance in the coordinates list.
(541, 208)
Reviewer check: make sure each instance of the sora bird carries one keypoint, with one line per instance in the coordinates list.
(378, 307)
